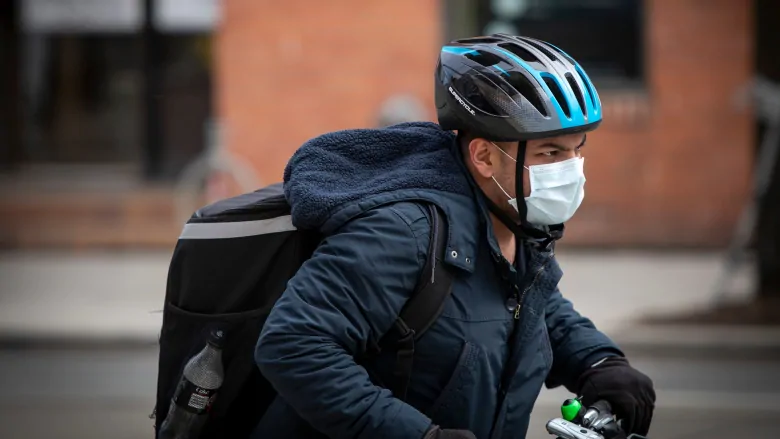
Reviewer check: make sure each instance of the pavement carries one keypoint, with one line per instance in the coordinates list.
(78, 334)
(117, 297)
(101, 393)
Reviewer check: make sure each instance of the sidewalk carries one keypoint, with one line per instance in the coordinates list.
(91, 297)
(117, 297)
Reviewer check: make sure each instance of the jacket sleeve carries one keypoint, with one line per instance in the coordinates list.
(576, 343)
(346, 296)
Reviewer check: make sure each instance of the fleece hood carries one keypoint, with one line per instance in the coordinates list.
(340, 169)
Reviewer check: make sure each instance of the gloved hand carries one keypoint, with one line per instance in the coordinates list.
(437, 433)
(627, 390)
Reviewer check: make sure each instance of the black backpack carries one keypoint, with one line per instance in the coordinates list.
(230, 265)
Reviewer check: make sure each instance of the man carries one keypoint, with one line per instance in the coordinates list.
(521, 108)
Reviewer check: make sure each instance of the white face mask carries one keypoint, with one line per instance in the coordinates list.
(557, 190)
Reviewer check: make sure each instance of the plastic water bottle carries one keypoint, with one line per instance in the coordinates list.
(195, 393)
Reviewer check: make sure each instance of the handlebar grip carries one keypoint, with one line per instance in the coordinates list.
(597, 414)
(611, 430)
(599, 417)
(603, 406)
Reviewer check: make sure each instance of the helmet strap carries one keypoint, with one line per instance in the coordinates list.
(519, 163)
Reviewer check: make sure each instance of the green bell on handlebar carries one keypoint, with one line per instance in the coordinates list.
(570, 409)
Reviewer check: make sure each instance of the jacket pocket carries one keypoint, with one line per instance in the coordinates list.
(454, 398)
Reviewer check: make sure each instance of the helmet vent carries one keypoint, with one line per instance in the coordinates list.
(527, 90)
(487, 59)
(523, 53)
(478, 40)
(558, 94)
(577, 91)
(588, 90)
(541, 48)
(562, 54)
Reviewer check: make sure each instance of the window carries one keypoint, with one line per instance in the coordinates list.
(81, 97)
(82, 76)
(604, 36)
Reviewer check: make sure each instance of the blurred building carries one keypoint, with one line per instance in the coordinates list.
(669, 167)
(100, 112)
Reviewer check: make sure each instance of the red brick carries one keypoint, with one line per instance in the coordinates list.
(670, 165)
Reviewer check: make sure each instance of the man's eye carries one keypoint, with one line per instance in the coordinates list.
(550, 153)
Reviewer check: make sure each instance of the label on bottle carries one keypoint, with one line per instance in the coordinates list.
(193, 398)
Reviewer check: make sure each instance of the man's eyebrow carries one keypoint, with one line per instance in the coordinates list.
(560, 147)
(554, 145)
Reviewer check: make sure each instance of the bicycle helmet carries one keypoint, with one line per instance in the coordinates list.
(507, 88)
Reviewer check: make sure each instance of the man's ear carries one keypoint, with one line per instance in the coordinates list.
(481, 157)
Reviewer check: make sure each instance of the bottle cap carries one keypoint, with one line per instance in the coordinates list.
(217, 338)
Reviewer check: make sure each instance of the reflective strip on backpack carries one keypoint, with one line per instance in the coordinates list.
(237, 229)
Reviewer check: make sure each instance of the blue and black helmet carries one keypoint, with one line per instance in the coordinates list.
(508, 88)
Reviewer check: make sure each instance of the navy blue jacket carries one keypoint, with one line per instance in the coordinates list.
(477, 367)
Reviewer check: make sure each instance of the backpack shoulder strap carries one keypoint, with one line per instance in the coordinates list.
(426, 304)
(435, 283)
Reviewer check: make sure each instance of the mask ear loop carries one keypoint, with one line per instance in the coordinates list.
(501, 188)
(526, 229)
(518, 229)
(519, 166)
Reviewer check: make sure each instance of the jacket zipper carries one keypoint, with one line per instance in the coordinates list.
(505, 379)
(525, 291)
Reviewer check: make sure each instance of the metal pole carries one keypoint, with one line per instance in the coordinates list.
(153, 145)
(766, 98)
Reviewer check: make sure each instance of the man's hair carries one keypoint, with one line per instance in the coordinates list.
(464, 138)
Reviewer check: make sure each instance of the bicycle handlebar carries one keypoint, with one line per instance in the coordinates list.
(578, 422)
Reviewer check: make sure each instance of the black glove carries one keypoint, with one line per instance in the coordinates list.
(627, 390)
(437, 433)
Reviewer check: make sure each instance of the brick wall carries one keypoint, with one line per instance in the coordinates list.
(290, 70)
(669, 167)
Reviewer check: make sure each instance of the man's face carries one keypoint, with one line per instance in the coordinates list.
(487, 162)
